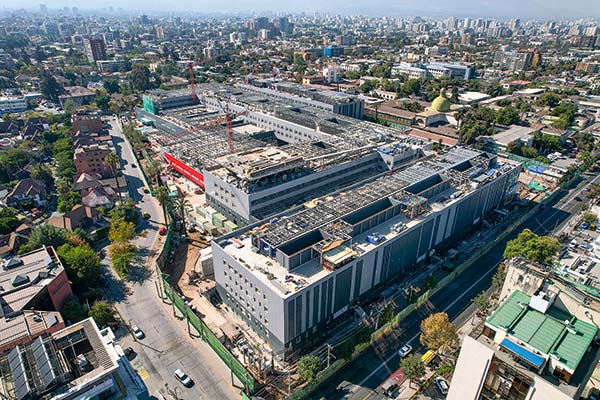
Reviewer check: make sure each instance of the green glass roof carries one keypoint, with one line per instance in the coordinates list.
(547, 332)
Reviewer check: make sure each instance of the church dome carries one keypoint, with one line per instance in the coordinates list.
(441, 103)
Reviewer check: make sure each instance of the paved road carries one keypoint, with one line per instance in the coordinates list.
(166, 345)
(361, 379)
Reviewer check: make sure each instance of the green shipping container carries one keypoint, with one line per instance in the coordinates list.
(218, 220)
(229, 226)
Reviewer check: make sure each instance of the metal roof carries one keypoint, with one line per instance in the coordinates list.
(555, 333)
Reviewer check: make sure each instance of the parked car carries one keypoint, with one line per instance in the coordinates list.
(137, 332)
(441, 384)
(405, 350)
(162, 231)
(146, 190)
(129, 352)
(146, 215)
(183, 378)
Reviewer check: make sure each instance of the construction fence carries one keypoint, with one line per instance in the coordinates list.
(376, 335)
(206, 334)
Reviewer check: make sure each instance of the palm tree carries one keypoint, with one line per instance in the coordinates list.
(162, 195)
(180, 206)
(113, 161)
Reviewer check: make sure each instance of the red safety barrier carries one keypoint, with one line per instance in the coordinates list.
(187, 171)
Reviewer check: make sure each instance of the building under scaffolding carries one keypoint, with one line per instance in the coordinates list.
(288, 274)
(285, 152)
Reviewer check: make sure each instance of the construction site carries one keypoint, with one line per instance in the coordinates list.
(289, 274)
(257, 154)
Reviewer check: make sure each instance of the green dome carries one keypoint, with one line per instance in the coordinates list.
(441, 103)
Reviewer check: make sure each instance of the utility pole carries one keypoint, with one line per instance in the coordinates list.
(329, 355)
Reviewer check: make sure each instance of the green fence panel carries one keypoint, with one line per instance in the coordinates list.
(209, 337)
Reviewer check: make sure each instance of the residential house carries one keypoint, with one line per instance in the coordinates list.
(78, 94)
(28, 192)
(79, 217)
(99, 196)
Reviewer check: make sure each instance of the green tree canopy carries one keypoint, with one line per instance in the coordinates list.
(507, 115)
(8, 220)
(548, 99)
(73, 311)
(413, 367)
(540, 249)
(308, 367)
(102, 313)
(81, 262)
(45, 235)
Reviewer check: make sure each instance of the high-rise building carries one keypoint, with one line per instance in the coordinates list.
(51, 29)
(285, 26)
(95, 49)
(513, 60)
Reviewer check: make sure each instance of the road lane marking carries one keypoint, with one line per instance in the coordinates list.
(359, 385)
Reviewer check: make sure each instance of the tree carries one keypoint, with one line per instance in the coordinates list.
(81, 263)
(102, 313)
(507, 115)
(8, 221)
(45, 235)
(308, 367)
(528, 152)
(113, 161)
(139, 78)
(121, 255)
(413, 368)
(344, 350)
(549, 99)
(67, 201)
(121, 231)
(111, 85)
(411, 87)
(180, 206)
(162, 195)
(590, 217)
(438, 333)
(69, 106)
(482, 301)
(539, 249)
(43, 173)
(49, 88)
(102, 100)
(73, 311)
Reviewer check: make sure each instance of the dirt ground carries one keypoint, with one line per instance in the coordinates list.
(185, 259)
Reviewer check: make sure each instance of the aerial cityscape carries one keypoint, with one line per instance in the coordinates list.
(311, 200)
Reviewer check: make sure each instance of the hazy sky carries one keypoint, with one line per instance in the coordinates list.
(555, 9)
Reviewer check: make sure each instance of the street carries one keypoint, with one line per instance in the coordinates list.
(166, 345)
(361, 379)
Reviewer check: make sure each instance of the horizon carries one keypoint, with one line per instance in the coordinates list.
(532, 9)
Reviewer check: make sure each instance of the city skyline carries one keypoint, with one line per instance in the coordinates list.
(552, 9)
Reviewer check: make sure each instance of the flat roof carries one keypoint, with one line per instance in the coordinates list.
(325, 223)
(471, 368)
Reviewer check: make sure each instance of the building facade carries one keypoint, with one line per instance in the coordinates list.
(288, 275)
(94, 48)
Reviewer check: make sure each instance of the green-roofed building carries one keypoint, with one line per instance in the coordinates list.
(540, 334)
